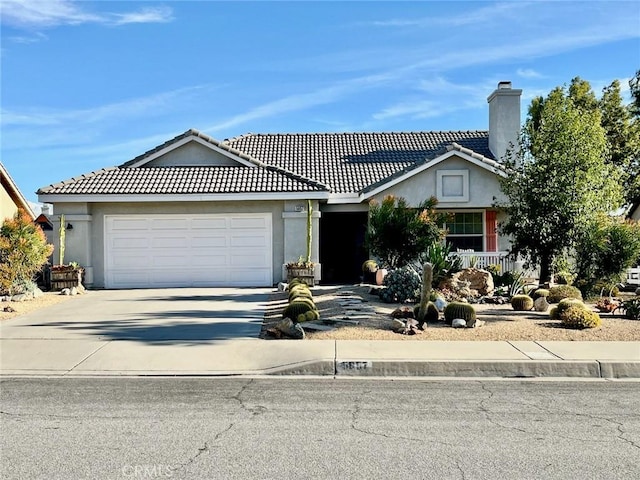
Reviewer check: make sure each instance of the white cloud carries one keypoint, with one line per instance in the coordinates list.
(528, 73)
(135, 107)
(34, 14)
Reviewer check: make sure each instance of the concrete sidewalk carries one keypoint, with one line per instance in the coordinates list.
(91, 356)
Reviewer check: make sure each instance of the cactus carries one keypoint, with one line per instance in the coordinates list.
(564, 305)
(560, 292)
(427, 279)
(296, 308)
(62, 233)
(460, 310)
(300, 294)
(540, 292)
(369, 266)
(577, 316)
(308, 301)
(312, 316)
(522, 303)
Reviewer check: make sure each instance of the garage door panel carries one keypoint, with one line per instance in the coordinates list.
(169, 224)
(209, 242)
(183, 250)
(248, 222)
(209, 223)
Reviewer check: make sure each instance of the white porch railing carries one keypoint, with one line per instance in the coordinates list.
(633, 276)
(484, 259)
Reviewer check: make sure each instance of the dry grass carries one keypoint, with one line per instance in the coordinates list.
(21, 308)
(502, 323)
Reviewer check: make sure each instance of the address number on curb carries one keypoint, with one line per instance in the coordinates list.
(355, 365)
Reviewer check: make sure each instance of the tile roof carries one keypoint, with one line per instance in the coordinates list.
(183, 180)
(351, 162)
(314, 162)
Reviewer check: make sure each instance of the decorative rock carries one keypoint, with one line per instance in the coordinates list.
(318, 327)
(65, 291)
(402, 312)
(440, 304)
(470, 280)
(478, 323)
(290, 329)
(638, 291)
(37, 293)
(282, 287)
(8, 309)
(459, 323)
(74, 291)
(20, 297)
(540, 304)
(397, 325)
(5, 298)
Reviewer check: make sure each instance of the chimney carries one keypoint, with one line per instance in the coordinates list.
(504, 119)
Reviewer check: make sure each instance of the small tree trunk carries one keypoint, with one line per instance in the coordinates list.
(427, 278)
(545, 269)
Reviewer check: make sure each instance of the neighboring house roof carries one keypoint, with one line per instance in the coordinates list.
(339, 163)
(351, 162)
(14, 192)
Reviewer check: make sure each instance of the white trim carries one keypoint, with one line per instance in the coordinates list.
(344, 198)
(440, 195)
(184, 141)
(428, 165)
(213, 197)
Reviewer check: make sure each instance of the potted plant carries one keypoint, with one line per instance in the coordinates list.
(304, 268)
(65, 276)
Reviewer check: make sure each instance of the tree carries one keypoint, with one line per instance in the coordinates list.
(397, 234)
(634, 86)
(558, 180)
(23, 252)
(607, 248)
(623, 135)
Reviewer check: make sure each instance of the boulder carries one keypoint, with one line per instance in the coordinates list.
(540, 304)
(282, 287)
(65, 291)
(37, 293)
(459, 323)
(470, 282)
(290, 329)
(22, 297)
(397, 326)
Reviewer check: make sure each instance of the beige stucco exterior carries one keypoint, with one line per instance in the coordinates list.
(11, 199)
(85, 241)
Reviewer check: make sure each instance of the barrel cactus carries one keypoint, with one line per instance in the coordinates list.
(560, 292)
(522, 303)
(540, 292)
(557, 312)
(432, 313)
(577, 316)
(461, 310)
(294, 309)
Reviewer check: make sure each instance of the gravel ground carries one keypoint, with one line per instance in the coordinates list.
(502, 323)
(49, 298)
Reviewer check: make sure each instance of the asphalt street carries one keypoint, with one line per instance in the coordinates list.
(239, 428)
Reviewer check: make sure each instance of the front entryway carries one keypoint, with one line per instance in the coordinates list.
(342, 249)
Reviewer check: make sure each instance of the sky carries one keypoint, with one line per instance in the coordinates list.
(92, 84)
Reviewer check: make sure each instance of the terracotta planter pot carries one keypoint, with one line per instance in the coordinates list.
(380, 274)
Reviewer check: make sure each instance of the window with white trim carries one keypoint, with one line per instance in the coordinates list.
(465, 231)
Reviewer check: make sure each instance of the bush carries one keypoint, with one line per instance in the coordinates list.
(397, 234)
(522, 303)
(560, 292)
(369, 266)
(402, 284)
(23, 252)
(632, 308)
(444, 263)
(460, 310)
(577, 316)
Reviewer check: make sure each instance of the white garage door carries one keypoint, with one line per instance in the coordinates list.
(188, 250)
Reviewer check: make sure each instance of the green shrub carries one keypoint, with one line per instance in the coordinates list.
(560, 292)
(460, 310)
(577, 316)
(522, 302)
(632, 308)
(23, 252)
(402, 284)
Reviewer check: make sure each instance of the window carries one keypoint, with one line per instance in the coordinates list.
(465, 231)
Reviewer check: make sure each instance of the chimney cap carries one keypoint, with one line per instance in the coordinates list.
(504, 84)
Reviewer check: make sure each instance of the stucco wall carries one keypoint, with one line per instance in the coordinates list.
(483, 185)
(7, 206)
(192, 154)
(85, 242)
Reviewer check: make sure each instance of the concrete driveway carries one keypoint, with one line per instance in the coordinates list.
(184, 315)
